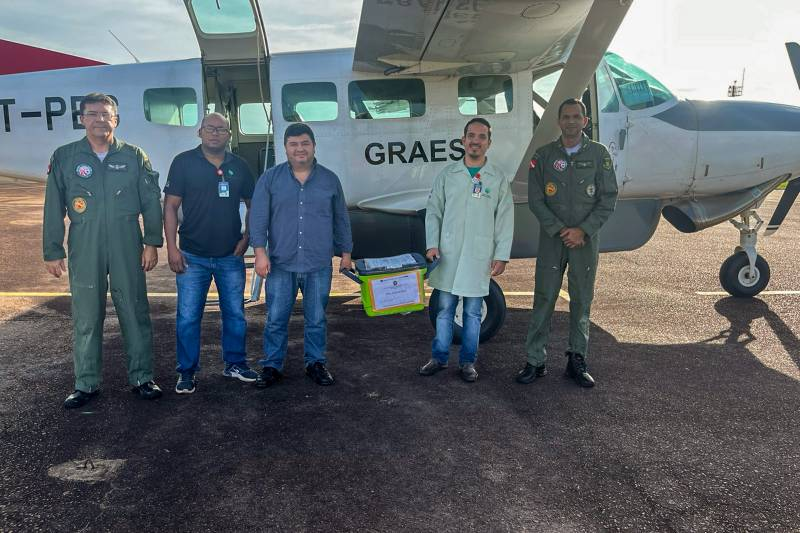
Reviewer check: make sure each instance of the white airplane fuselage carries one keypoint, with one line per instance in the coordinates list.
(664, 153)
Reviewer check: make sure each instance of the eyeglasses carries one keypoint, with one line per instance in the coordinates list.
(211, 130)
(94, 115)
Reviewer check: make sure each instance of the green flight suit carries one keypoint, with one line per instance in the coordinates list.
(566, 192)
(103, 201)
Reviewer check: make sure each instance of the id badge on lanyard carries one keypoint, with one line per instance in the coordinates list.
(223, 187)
(477, 186)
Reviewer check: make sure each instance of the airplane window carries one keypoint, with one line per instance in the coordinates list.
(224, 16)
(485, 95)
(253, 120)
(606, 98)
(379, 99)
(309, 102)
(543, 88)
(174, 106)
(637, 88)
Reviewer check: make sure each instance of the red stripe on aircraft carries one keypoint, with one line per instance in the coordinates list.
(16, 58)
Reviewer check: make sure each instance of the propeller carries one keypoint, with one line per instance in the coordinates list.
(793, 188)
(794, 57)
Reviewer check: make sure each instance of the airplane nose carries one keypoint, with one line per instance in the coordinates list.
(729, 115)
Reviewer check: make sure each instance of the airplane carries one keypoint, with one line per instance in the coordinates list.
(388, 116)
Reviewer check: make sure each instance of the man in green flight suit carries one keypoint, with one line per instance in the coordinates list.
(103, 184)
(572, 190)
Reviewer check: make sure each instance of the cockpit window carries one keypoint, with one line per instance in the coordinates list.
(637, 88)
(606, 98)
(543, 88)
(224, 16)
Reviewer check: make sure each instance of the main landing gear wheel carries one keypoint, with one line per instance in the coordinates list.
(739, 280)
(745, 273)
(493, 313)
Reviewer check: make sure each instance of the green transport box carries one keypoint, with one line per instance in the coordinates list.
(392, 285)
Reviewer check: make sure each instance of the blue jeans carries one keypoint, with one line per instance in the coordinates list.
(470, 331)
(193, 284)
(281, 288)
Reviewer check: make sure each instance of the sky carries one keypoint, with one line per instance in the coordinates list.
(694, 47)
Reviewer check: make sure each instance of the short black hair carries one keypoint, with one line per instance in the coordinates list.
(478, 120)
(98, 98)
(297, 129)
(572, 101)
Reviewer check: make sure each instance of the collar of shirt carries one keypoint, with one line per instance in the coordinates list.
(584, 144)
(115, 146)
(310, 174)
(487, 169)
(199, 153)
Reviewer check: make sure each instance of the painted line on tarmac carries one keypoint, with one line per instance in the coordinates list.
(31, 294)
(763, 293)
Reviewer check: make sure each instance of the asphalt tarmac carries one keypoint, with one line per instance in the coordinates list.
(693, 425)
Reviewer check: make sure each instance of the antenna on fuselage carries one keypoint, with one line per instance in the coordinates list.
(735, 90)
(123, 46)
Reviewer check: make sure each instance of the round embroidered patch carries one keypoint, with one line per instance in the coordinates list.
(590, 190)
(78, 205)
(550, 189)
(83, 171)
(560, 164)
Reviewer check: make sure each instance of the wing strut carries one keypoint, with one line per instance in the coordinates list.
(599, 28)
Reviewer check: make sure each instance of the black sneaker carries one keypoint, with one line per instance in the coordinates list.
(431, 367)
(79, 398)
(268, 377)
(319, 374)
(241, 372)
(468, 372)
(576, 369)
(185, 384)
(148, 391)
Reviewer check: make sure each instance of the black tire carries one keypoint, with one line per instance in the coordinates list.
(495, 313)
(733, 280)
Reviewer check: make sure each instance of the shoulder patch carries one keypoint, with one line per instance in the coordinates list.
(607, 164)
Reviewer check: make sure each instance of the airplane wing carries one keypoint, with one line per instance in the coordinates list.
(444, 37)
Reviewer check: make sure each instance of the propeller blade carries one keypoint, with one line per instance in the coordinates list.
(794, 56)
(785, 203)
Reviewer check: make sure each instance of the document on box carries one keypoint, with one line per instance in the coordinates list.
(390, 263)
(395, 291)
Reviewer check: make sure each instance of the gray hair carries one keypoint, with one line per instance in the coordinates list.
(216, 115)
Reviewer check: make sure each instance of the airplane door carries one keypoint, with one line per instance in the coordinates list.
(228, 31)
(613, 124)
(235, 60)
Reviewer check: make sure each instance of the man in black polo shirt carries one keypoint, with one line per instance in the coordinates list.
(209, 182)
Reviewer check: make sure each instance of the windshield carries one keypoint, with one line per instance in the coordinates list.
(637, 88)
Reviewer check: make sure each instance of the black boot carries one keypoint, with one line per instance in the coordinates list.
(530, 373)
(576, 369)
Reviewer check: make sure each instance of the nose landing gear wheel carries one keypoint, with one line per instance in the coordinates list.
(737, 279)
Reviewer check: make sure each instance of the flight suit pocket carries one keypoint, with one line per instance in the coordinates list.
(126, 202)
(587, 189)
(81, 204)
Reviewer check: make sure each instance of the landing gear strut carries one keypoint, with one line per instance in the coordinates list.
(745, 273)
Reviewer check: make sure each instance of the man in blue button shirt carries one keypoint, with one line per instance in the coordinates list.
(298, 221)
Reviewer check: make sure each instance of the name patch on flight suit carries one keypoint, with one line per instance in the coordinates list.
(550, 189)
(560, 165)
(78, 205)
(117, 166)
(84, 171)
(584, 164)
